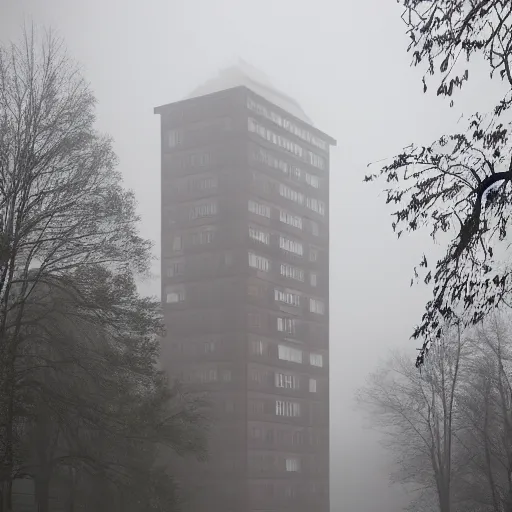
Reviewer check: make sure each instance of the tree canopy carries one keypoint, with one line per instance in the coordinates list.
(461, 183)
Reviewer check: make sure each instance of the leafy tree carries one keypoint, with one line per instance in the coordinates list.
(461, 183)
(83, 408)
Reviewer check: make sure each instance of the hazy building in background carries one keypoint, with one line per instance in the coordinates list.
(245, 287)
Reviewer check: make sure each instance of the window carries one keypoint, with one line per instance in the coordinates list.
(315, 205)
(200, 211)
(291, 245)
(283, 380)
(316, 306)
(313, 279)
(175, 138)
(292, 272)
(203, 237)
(316, 360)
(208, 375)
(292, 464)
(285, 123)
(207, 183)
(259, 262)
(256, 407)
(312, 385)
(287, 297)
(255, 433)
(259, 208)
(312, 180)
(259, 235)
(315, 228)
(291, 354)
(306, 155)
(256, 375)
(290, 194)
(313, 254)
(177, 243)
(174, 295)
(258, 347)
(290, 219)
(175, 268)
(287, 325)
(226, 375)
(209, 347)
(254, 320)
(289, 409)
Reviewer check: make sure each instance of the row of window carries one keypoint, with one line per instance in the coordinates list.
(286, 244)
(176, 137)
(291, 171)
(259, 347)
(195, 184)
(287, 124)
(296, 149)
(278, 379)
(285, 217)
(202, 236)
(270, 462)
(209, 375)
(275, 490)
(285, 436)
(190, 161)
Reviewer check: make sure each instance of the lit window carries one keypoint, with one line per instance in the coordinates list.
(259, 235)
(316, 360)
(286, 381)
(287, 325)
(174, 295)
(259, 208)
(290, 219)
(203, 237)
(290, 194)
(312, 180)
(292, 464)
(292, 272)
(293, 299)
(258, 347)
(316, 306)
(315, 205)
(259, 262)
(312, 385)
(203, 210)
(291, 245)
(291, 354)
(289, 409)
(207, 183)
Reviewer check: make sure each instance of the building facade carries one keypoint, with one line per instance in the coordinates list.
(245, 291)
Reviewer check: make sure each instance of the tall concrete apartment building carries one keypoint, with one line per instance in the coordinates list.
(245, 290)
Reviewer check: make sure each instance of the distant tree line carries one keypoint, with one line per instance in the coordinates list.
(84, 410)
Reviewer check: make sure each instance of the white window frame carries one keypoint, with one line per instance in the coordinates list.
(316, 360)
(259, 262)
(291, 354)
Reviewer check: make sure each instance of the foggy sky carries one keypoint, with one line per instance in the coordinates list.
(345, 62)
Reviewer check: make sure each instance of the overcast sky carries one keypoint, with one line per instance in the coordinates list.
(345, 63)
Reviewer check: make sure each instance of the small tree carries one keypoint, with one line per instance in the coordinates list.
(460, 183)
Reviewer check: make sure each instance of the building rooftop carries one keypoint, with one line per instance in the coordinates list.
(243, 74)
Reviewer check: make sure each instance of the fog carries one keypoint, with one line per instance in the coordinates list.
(345, 62)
